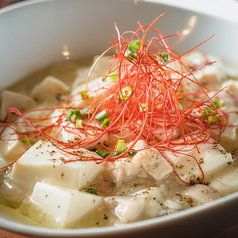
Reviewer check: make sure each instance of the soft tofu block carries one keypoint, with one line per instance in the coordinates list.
(12, 150)
(139, 145)
(211, 157)
(231, 86)
(2, 162)
(229, 138)
(102, 64)
(44, 162)
(153, 198)
(195, 59)
(11, 146)
(64, 205)
(15, 100)
(92, 84)
(97, 89)
(212, 73)
(226, 182)
(82, 76)
(147, 160)
(127, 209)
(157, 166)
(199, 194)
(50, 88)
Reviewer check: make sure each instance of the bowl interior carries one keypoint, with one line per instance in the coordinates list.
(33, 35)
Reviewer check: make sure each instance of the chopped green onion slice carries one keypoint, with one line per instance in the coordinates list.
(73, 114)
(69, 114)
(78, 114)
(143, 107)
(121, 145)
(84, 95)
(204, 115)
(27, 141)
(116, 154)
(132, 48)
(86, 111)
(105, 123)
(101, 115)
(217, 104)
(90, 190)
(166, 57)
(126, 92)
(180, 95)
(79, 123)
(129, 154)
(209, 115)
(158, 106)
(102, 153)
(213, 119)
(134, 45)
(111, 77)
(209, 110)
(73, 118)
(182, 90)
(218, 117)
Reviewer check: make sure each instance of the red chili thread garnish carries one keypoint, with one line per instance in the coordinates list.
(159, 110)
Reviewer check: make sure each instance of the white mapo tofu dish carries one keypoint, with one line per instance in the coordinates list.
(143, 132)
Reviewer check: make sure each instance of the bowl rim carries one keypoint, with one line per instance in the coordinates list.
(25, 229)
(21, 228)
(229, 11)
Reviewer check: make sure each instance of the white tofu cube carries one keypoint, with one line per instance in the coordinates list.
(3, 163)
(92, 84)
(15, 100)
(153, 198)
(65, 206)
(43, 162)
(139, 145)
(199, 194)
(173, 205)
(210, 75)
(147, 160)
(123, 169)
(11, 146)
(102, 65)
(82, 76)
(12, 150)
(195, 59)
(229, 138)
(226, 182)
(127, 209)
(157, 166)
(153, 193)
(231, 86)
(50, 88)
(211, 157)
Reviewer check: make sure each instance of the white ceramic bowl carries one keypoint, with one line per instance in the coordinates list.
(34, 34)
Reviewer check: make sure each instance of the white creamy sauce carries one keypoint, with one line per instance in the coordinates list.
(41, 189)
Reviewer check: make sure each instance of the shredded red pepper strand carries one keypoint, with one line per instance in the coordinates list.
(151, 113)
